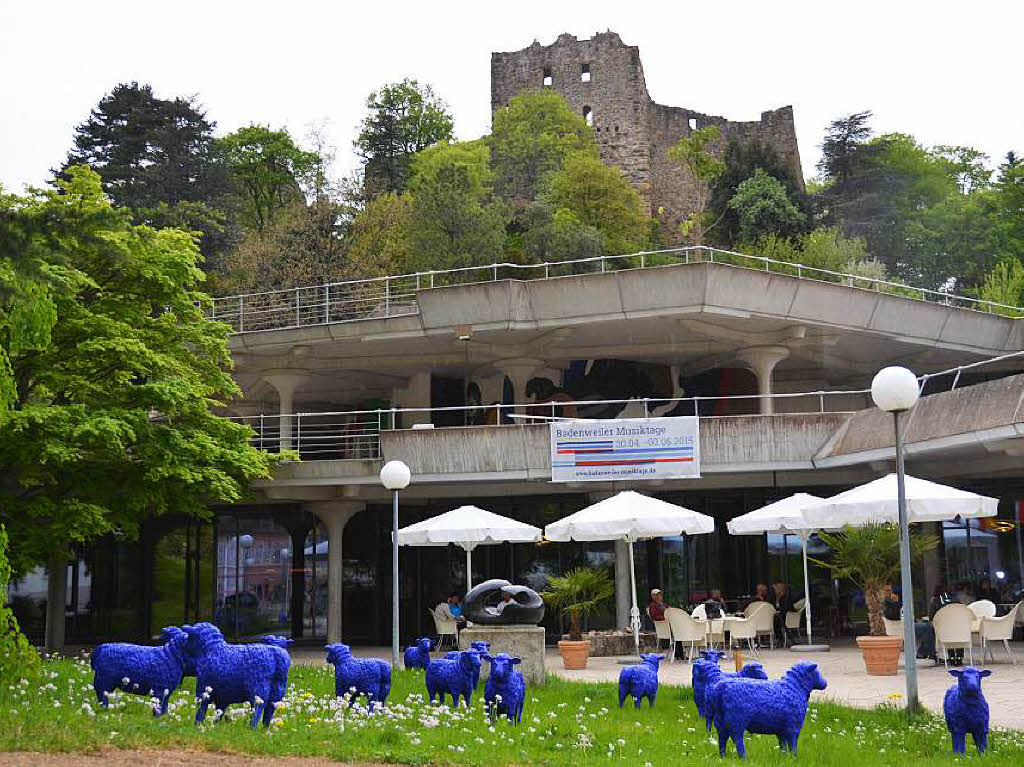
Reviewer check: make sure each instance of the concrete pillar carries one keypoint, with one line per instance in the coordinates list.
(335, 515)
(519, 372)
(761, 361)
(56, 600)
(623, 600)
(285, 382)
(415, 393)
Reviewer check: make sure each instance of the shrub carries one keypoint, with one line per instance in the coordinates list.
(16, 654)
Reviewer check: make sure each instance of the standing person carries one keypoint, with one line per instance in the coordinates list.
(783, 602)
(656, 607)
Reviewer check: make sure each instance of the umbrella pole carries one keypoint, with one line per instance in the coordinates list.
(469, 569)
(804, 535)
(634, 612)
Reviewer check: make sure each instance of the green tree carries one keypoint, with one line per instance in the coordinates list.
(763, 207)
(1005, 285)
(111, 418)
(599, 196)
(266, 168)
(453, 220)
(402, 119)
(532, 137)
(549, 234)
(378, 240)
(693, 154)
(158, 157)
(17, 656)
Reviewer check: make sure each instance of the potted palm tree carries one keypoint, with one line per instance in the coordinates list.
(577, 593)
(870, 557)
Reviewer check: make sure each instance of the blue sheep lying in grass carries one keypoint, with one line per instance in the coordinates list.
(640, 681)
(505, 689)
(481, 647)
(776, 707)
(966, 709)
(246, 673)
(153, 671)
(714, 679)
(708, 663)
(454, 676)
(418, 655)
(359, 676)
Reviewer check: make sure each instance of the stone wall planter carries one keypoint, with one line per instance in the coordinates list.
(881, 654)
(574, 654)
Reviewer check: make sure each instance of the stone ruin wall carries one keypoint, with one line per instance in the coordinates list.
(633, 132)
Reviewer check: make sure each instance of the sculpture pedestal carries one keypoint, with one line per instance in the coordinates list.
(523, 641)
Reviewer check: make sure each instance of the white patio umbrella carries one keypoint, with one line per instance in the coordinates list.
(785, 516)
(629, 516)
(876, 503)
(468, 527)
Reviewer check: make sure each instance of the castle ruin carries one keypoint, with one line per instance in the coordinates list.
(603, 80)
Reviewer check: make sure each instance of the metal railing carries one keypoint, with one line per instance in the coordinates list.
(395, 296)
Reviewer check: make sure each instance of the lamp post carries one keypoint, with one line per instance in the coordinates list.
(895, 390)
(394, 476)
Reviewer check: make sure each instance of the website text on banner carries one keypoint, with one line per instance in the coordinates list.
(641, 448)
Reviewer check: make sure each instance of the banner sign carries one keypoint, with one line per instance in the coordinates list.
(633, 449)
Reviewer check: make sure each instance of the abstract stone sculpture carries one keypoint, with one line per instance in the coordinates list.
(640, 681)
(417, 655)
(505, 690)
(701, 668)
(966, 709)
(152, 671)
(776, 707)
(256, 674)
(715, 678)
(454, 677)
(359, 676)
(526, 605)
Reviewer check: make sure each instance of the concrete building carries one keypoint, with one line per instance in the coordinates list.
(457, 380)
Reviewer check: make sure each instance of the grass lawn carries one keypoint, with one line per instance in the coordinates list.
(563, 723)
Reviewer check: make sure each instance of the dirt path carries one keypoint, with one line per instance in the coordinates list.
(117, 758)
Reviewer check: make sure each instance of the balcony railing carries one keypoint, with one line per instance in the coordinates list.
(395, 296)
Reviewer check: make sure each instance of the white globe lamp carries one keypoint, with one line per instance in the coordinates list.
(395, 475)
(895, 389)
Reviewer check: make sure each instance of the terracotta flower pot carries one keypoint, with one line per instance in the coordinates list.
(881, 654)
(574, 654)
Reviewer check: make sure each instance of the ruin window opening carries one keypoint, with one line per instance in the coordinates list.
(547, 79)
(588, 116)
(693, 123)
(585, 73)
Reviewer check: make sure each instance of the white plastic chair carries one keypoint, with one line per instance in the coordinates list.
(763, 617)
(794, 618)
(893, 628)
(445, 628)
(662, 630)
(953, 630)
(982, 608)
(686, 630)
(998, 630)
(700, 612)
(740, 629)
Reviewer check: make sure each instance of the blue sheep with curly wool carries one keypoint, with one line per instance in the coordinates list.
(167, 633)
(775, 707)
(282, 642)
(454, 676)
(640, 681)
(418, 655)
(707, 664)
(139, 669)
(256, 674)
(505, 689)
(966, 709)
(715, 678)
(359, 676)
(481, 647)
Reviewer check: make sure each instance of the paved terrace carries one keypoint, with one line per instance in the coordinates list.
(843, 668)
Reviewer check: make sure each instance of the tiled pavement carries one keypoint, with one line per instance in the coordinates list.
(843, 668)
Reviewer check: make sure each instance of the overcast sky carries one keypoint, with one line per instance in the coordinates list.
(947, 72)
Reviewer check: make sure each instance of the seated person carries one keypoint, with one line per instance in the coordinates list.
(714, 606)
(891, 607)
(451, 609)
(506, 600)
(656, 607)
(760, 595)
(924, 631)
(987, 591)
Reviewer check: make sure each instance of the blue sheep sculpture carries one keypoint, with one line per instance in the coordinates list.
(417, 655)
(141, 670)
(276, 641)
(707, 664)
(167, 633)
(776, 707)
(360, 676)
(640, 681)
(505, 690)
(966, 709)
(246, 673)
(481, 647)
(715, 678)
(453, 676)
